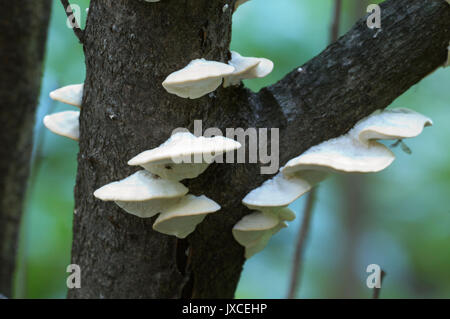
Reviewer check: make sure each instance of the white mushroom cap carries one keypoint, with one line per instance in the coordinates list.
(181, 218)
(342, 155)
(184, 155)
(356, 151)
(255, 230)
(286, 214)
(71, 94)
(247, 68)
(282, 213)
(263, 241)
(281, 190)
(249, 229)
(142, 194)
(198, 78)
(64, 123)
(394, 124)
(141, 186)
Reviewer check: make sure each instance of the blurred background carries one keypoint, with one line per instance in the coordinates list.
(398, 219)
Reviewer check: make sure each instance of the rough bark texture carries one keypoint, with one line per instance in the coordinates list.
(132, 46)
(23, 31)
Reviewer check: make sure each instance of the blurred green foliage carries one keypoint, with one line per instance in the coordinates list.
(404, 224)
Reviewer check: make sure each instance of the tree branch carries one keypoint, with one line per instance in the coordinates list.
(79, 33)
(365, 70)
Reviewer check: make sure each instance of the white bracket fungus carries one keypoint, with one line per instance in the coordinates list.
(71, 94)
(197, 79)
(142, 194)
(64, 123)
(357, 151)
(255, 230)
(247, 68)
(181, 218)
(280, 191)
(184, 155)
(146, 195)
(156, 190)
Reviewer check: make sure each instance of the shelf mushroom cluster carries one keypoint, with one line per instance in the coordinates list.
(355, 152)
(157, 189)
(66, 123)
(201, 76)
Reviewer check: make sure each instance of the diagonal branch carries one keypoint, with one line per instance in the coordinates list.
(79, 33)
(363, 71)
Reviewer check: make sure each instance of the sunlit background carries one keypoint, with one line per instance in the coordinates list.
(398, 219)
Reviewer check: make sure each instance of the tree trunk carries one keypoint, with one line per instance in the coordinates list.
(23, 33)
(131, 46)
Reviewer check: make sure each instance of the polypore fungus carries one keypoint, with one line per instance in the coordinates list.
(197, 79)
(247, 68)
(276, 192)
(64, 123)
(255, 230)
(181, 218)
(142, 194)
(357, 151)
(184, 155)
(71, 94)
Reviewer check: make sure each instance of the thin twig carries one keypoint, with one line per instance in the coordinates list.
(334, 32)
(376, 291)
(79, 33)
(299, 248)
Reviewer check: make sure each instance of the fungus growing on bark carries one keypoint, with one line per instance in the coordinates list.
(276, 192)
(247, 68)
(71, 94)
(142, 194)
(355, 152)
(197, 79)
(181, 218)
(64, 123)
(184, 155)
(255, 230)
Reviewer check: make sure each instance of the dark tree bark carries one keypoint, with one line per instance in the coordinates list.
(23, 32)
(131, 46)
